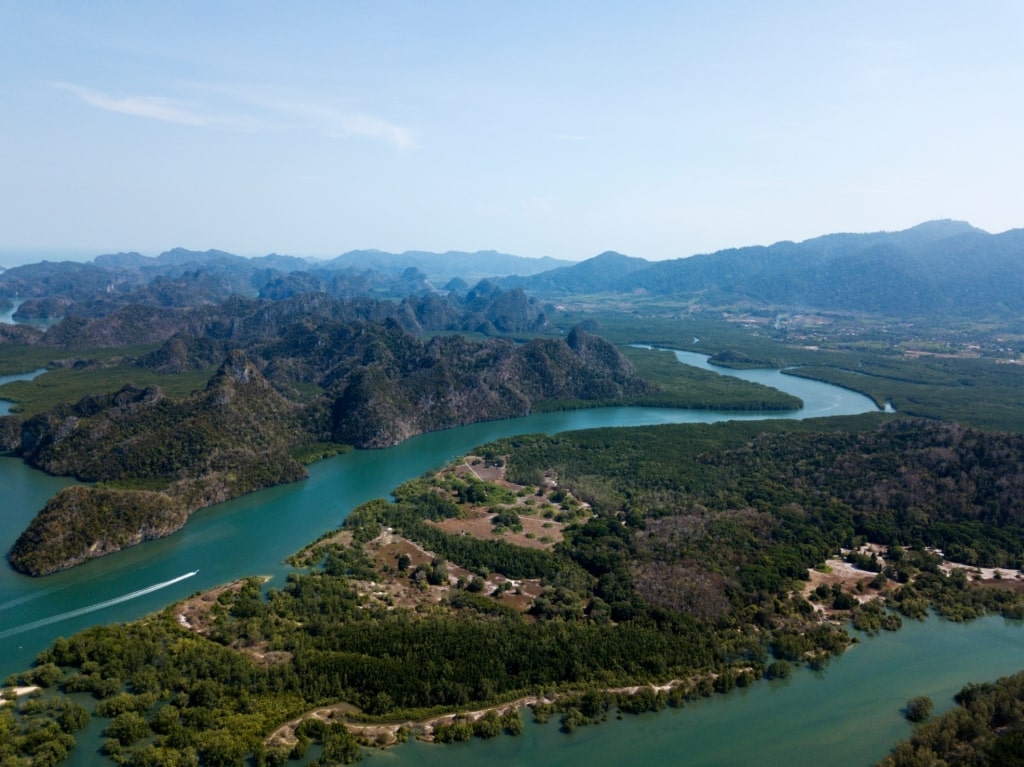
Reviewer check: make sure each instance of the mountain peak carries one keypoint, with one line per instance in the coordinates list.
(239, 369)
(937, 268)
(616, 261)
(941, 228)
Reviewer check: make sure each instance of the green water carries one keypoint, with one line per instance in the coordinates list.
(5, 405)
(252, 535)
(848, 715)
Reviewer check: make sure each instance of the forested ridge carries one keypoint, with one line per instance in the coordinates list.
(203, 303)
(295, 380)
(184, 279)
(694, 557)
(308, 393)
(936, 269)
(673, 555)
(909, 482)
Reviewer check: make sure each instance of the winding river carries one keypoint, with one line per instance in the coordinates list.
(848, 715)
(5, 405)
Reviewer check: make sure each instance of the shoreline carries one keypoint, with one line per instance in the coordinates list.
(388, 734)
(18, 692)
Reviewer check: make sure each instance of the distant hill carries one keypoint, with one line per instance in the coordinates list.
(232, 438)
(936, 269)
(441, 267)
(164, 309)
(190, 278)
(939, 267)
(590, 276)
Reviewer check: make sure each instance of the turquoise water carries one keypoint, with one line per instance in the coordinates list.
(7, 317)
(5, 405)
(252, 535)
(849, 714)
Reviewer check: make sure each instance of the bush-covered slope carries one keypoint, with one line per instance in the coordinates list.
(690, 565)
(141, 434)
(409, 387)
(81, 523)
(360, 383)
(228, 440)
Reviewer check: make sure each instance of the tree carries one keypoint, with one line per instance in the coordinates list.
(47, 675)
(127, 728)
(778, 669)
(918, 709)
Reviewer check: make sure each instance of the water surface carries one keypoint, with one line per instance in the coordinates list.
(5, 404)
(252, 535)
(850, 714)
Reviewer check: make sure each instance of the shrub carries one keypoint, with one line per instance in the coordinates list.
(918, 709)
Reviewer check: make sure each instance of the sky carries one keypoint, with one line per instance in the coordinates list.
(563, 129)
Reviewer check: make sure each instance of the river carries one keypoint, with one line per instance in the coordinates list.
(252, 535)
(7, 316)
(849, 714)
(5, 405)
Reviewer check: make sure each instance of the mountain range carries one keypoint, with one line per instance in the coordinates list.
(936, 269)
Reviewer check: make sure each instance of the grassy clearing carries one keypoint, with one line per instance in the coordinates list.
(979, 391)
(70, 385)
(686, 386)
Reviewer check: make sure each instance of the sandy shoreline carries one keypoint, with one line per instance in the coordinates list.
(387, 733)
(18, 692)
(846, 575)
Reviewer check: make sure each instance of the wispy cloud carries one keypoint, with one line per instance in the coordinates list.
(371, 127)
(325, 118)
(152, 107)
(266, 111)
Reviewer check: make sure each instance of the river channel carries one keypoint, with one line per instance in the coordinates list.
(847, 715)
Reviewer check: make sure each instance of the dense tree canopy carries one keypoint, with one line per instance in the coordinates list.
(683, 556)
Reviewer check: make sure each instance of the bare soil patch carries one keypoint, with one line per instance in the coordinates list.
(537, 532)
(17, 692)
(396, 589)
(847, 576)
(843, 574)
(197, 612)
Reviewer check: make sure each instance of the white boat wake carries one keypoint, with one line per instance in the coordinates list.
(29, 597)
(93, 607)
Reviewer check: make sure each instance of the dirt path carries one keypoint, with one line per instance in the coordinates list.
(424, 729)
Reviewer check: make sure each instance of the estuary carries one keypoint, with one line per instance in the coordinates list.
(849, 713)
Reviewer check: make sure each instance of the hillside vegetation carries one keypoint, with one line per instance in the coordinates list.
(293, 391)
(677, 558)
(986, 728)
(233, 438)
(579, 573)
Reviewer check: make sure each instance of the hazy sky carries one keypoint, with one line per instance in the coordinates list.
(658, 129)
